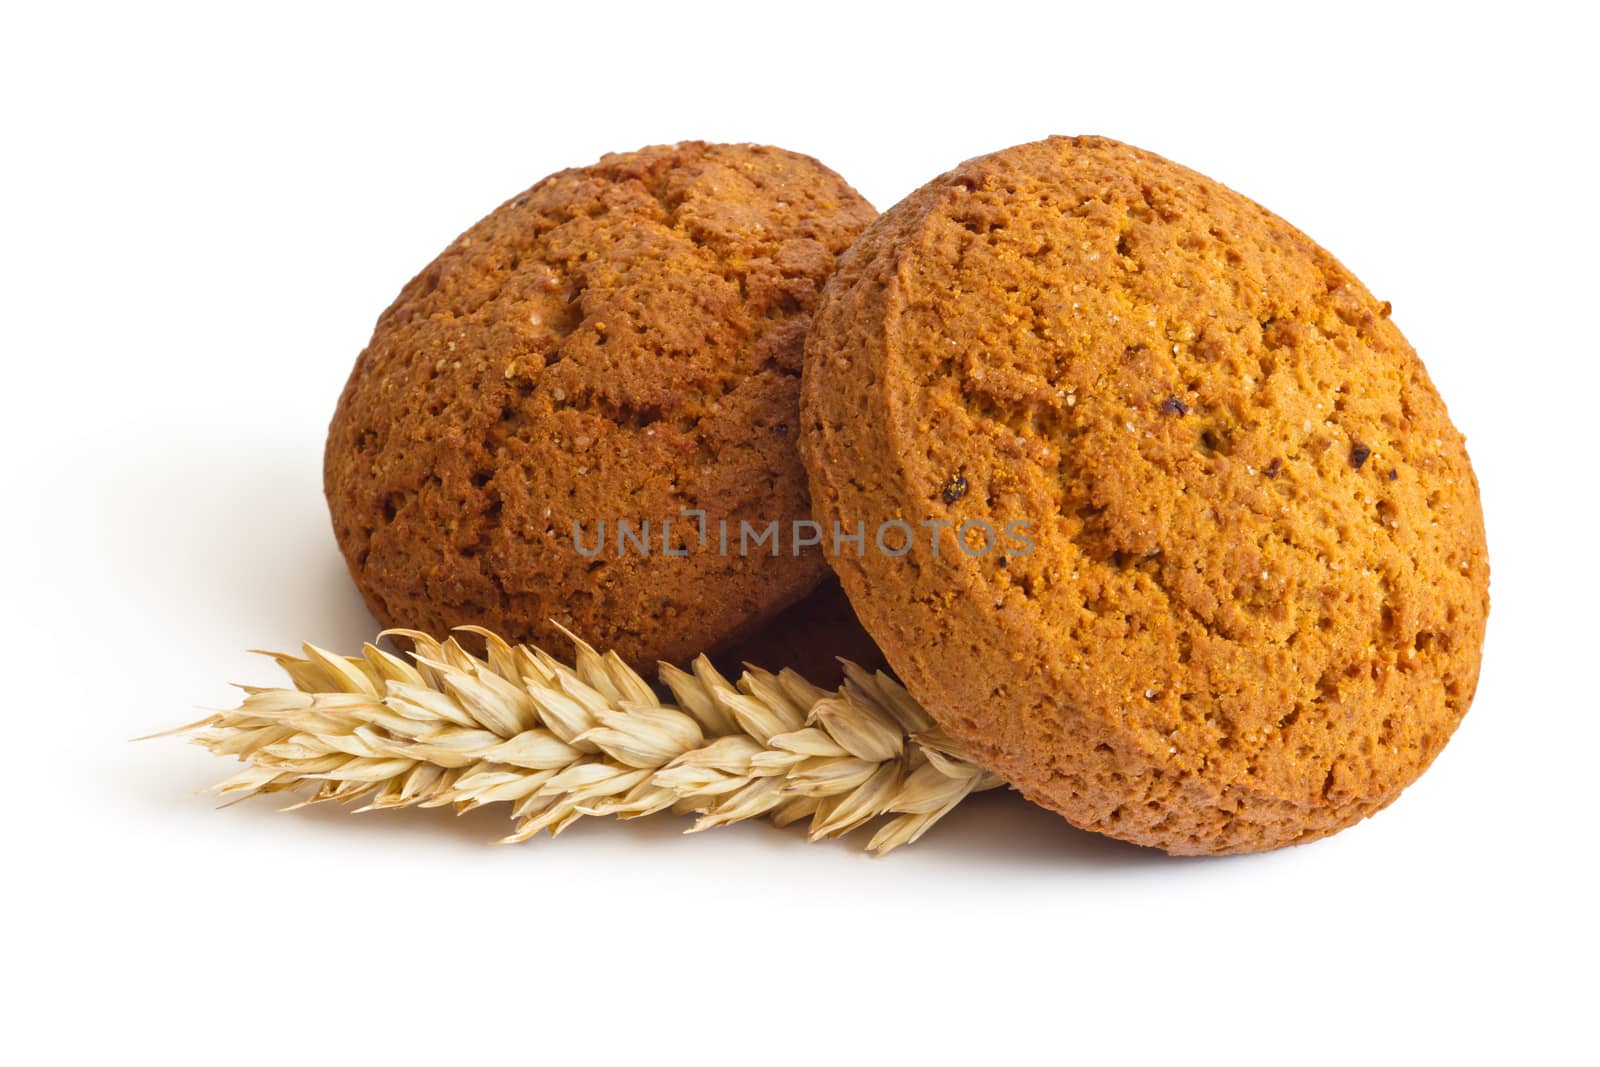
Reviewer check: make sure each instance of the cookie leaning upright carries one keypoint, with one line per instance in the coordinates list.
(1255, 602)
(620, 342)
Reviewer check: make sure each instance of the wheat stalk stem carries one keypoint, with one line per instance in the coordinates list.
(559, 741)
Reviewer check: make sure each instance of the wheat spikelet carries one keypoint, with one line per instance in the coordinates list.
(559, 741)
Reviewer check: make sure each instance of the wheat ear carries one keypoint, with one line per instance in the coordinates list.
(559, 741)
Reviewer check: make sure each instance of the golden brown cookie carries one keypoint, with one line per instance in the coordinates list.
(1254, 603)
(619, 344)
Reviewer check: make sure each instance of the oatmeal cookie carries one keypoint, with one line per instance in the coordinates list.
(1252, 605)
(619, 343)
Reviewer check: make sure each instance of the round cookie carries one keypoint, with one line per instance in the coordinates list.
(1254, 604)
(620, 343)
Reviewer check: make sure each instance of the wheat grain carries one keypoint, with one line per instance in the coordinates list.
(560, 741)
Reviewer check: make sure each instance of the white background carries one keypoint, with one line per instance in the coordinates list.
(204, 211)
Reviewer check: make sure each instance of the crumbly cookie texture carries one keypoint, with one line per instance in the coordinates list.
(620, 342)
(1254, 608)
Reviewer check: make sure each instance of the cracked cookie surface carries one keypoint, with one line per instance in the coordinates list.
(618, 343)
(1255, 603)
